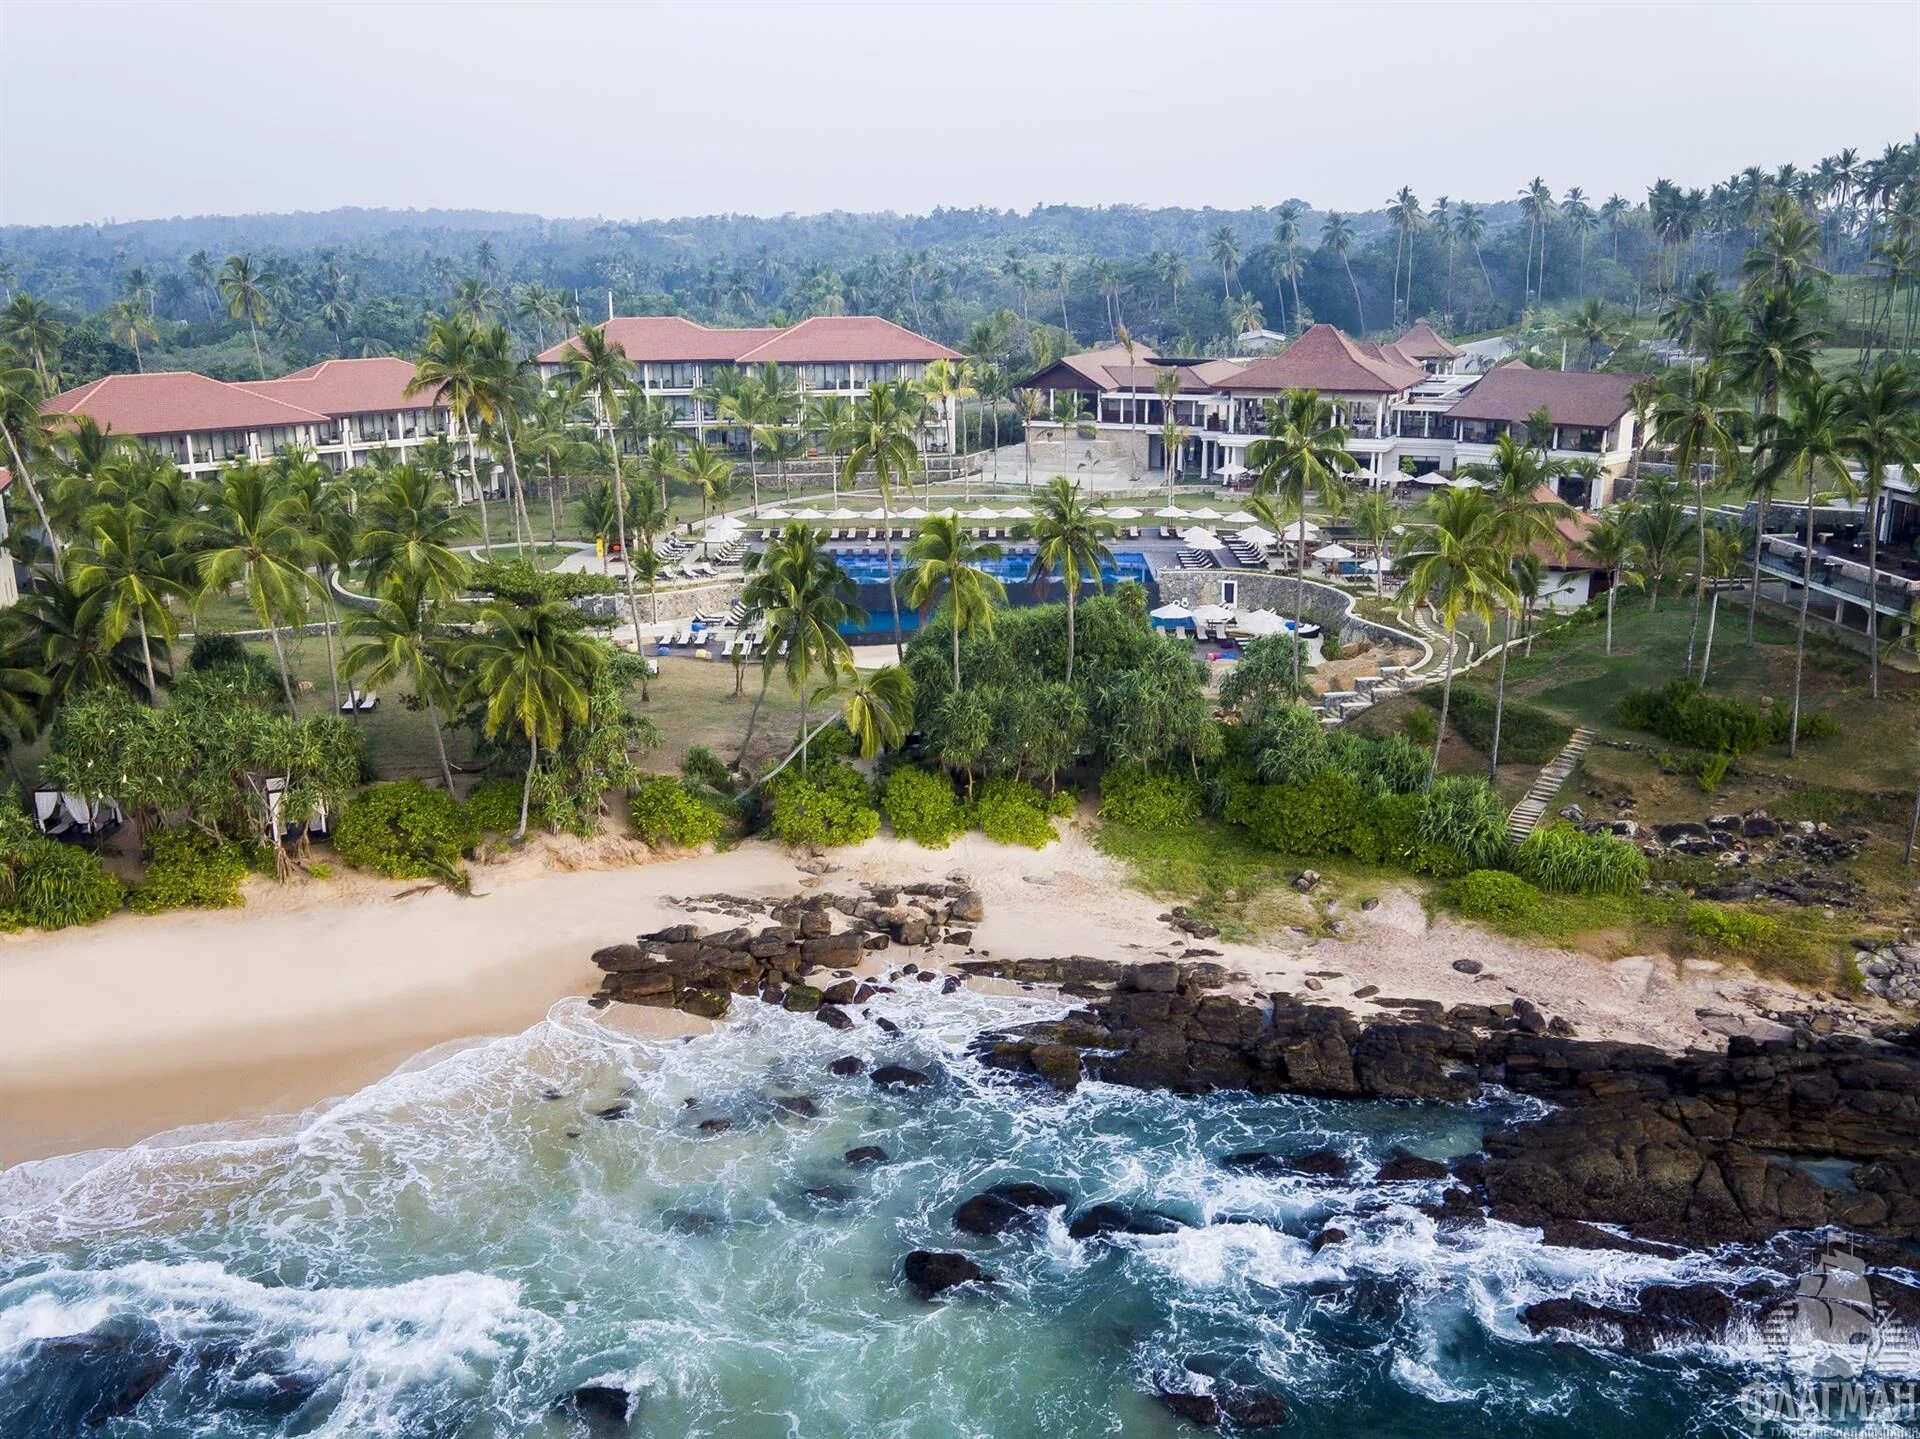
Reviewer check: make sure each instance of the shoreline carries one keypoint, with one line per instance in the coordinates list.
(126, 1030)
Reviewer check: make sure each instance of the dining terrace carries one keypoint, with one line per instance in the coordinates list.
(1840, 572)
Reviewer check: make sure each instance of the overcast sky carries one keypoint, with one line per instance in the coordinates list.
(568, 109)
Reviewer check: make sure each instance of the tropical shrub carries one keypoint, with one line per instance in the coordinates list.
(190, 870)
(495, 807)
(1062, 802)
(1422, 726)
(1311, 816)
(1149, 799)
(1496, 897)
(1462, 823)
(405, 831)
(921, 806)
(828, 804)
(1011, 811)
(1528, 734)
(1683, 714)
(665, 812)
(703, 766)
(1736, 931)
(1564, 861)
(48, 885)
(215, 648)
(525, 584)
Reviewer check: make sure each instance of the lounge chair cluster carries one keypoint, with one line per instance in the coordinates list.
(74, 818)
(1198, 560)
(355, 702)
(1250, 554)
(291, 831)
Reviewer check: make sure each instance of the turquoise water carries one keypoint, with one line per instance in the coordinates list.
(446, 1252)
(1012, 565)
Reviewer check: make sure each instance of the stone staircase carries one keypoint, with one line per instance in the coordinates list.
(1527, 814)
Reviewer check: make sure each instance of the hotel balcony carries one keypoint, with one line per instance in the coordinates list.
(1836, 573)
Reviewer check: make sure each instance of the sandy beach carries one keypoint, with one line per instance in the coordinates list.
(137, 1026)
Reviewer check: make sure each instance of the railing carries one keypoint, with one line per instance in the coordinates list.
(1847, 578)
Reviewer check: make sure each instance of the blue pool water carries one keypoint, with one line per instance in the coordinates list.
(869, 571)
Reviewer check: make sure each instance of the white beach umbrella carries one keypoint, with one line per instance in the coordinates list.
(1123, 514)
(983, 513)
(1211, 614)
(808, 515)
(1018, 512)
(1170, 512)
(775, 514)
(1333, 552)
(724, 528)
(1260, 622)
(1206, 512)
(876, 514)
(1233, 469)
(916, 513)
(1171, 612)
(1257, 535)
(1301, 530)
(843, 514)
(1199, 537)
(1376, 566)
(1240, 517)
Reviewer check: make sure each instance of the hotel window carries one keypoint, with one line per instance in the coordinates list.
(1230, 593)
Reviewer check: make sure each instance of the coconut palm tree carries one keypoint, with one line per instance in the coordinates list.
(1303, 452)
(129, 320)
(1694, 418)
(1811, 439)
(1406, 217)
(452, 370)
(32, 328)
(946, 383)
(407, 535)
(1663, 531)
(1724, 553)
(402, 638)
(1883, 435)
(248, 289)
(1224, 250)
(26, 430)
(604, 375)
(1029, 403)
(1374, 521)
(1336, 238)
(944, 559)
(876, 706)
(805, 603)
(251, 535)
(1166, 384)
(705, 470)
(880, 439)
(125, 579)
(1610, 544)
(531, 670)
(1070, 538)
(46, 634)
(1458, 566)
(322, 509)
(1471, 226)
(504, 391)
(1286, 236)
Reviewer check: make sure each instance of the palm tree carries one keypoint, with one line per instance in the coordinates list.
(1406, 216)
(1663, 533)
(407, 535)
(706, 470)
(1471, 226)
(1070, 538)
(1611, 545)
(248, 290)
(881, 439)
(65, 652)
(602, 372)
(1883, 434)
(1694, 419)
(1374, 521)
(402, 638)
(125, 579)
(1029, 403)
(323, 511)
(1224, 250)
(1459, 567)
(1166, 384)
(531, 669)
(26, 429)
(945, 559)
(32, 328)
(805, 605)
(1286, 234)
(876, 707)
(1336, 238)
(452, 371)
(251, 535)
(1537, 200)
(1303, 451)
(946, 383)
(128, 320)
(1812, 437)
(1725, 551)
(503, 391)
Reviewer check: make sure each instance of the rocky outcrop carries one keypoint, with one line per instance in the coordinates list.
(933, 1271)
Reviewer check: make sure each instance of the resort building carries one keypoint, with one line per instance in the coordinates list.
(674, 358)
(338, 410)
(1409, 407)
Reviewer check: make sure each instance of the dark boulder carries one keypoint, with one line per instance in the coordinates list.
(1006, 1206)
(605, 1408)
(802, 999)
(933, 1271)
(1330, 1235)
(1102, 1219)
(1401, 1166)
(847, 1065)
(833, 1016)
(865, 1155)
(1202, 1409)
(898, 1076)
(800, 1104)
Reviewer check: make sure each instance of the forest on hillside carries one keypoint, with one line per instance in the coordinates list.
(238, 296)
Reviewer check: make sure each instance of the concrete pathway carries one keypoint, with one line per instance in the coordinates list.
(1527, 814)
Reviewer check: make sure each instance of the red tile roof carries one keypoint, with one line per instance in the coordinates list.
(1324, 359)
(347, 387)
(824, 339)
(176, 402)
(1515, 391)
(1421, 343)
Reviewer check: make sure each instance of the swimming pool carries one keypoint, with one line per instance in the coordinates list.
(868, 567)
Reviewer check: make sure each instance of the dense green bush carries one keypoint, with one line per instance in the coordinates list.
(1561, 859)
(830, 804)
(524, 584)
(665, 812)
(48, 885)
(495, 807)
(1011, 811)
(1149, 800)
(1062, 802)
(405, 831)
(1462, 822)
(1422, 726)
(190, 870)
(215, 648)
(703, 766)
(921, 806)
(1313, 816)
(1682, 713)
(1496, 897)
(1528, 734)
(1736, 931)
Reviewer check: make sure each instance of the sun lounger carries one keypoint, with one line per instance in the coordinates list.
(368, 703)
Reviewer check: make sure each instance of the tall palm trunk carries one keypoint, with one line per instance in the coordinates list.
(803, 729)
(1612, 590)
(333, 622)
(1299, 595)
(1070, 597)
(1759, 534)
(1700, 568)
(1873, 591)
(146, 653)
(1800, 629)
(1360, 310)
(620, 518)
(753, 716)
(39, 505)
(955, 627)
(480, 493)
(893, 591)
(1446, 700)
(526, 785)
(280, 653)
(1706, 657)
(258, 363)
(1500, 700)
(522, 520)
(439, 735)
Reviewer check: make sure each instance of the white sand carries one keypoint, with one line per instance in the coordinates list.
(139, 1025)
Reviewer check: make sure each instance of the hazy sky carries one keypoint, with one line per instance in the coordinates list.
(569, 109)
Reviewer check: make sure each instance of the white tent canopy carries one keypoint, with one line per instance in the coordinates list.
(916, 513)
(1261, 622)
(1233, 469)
(1256, 535)
(1333, 552)
(1172, 612)
(1376, 566)
(843, 514)
(876, 514)
(1211, 614)
(983, 513)
(1018, 512)
(1199, 537)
